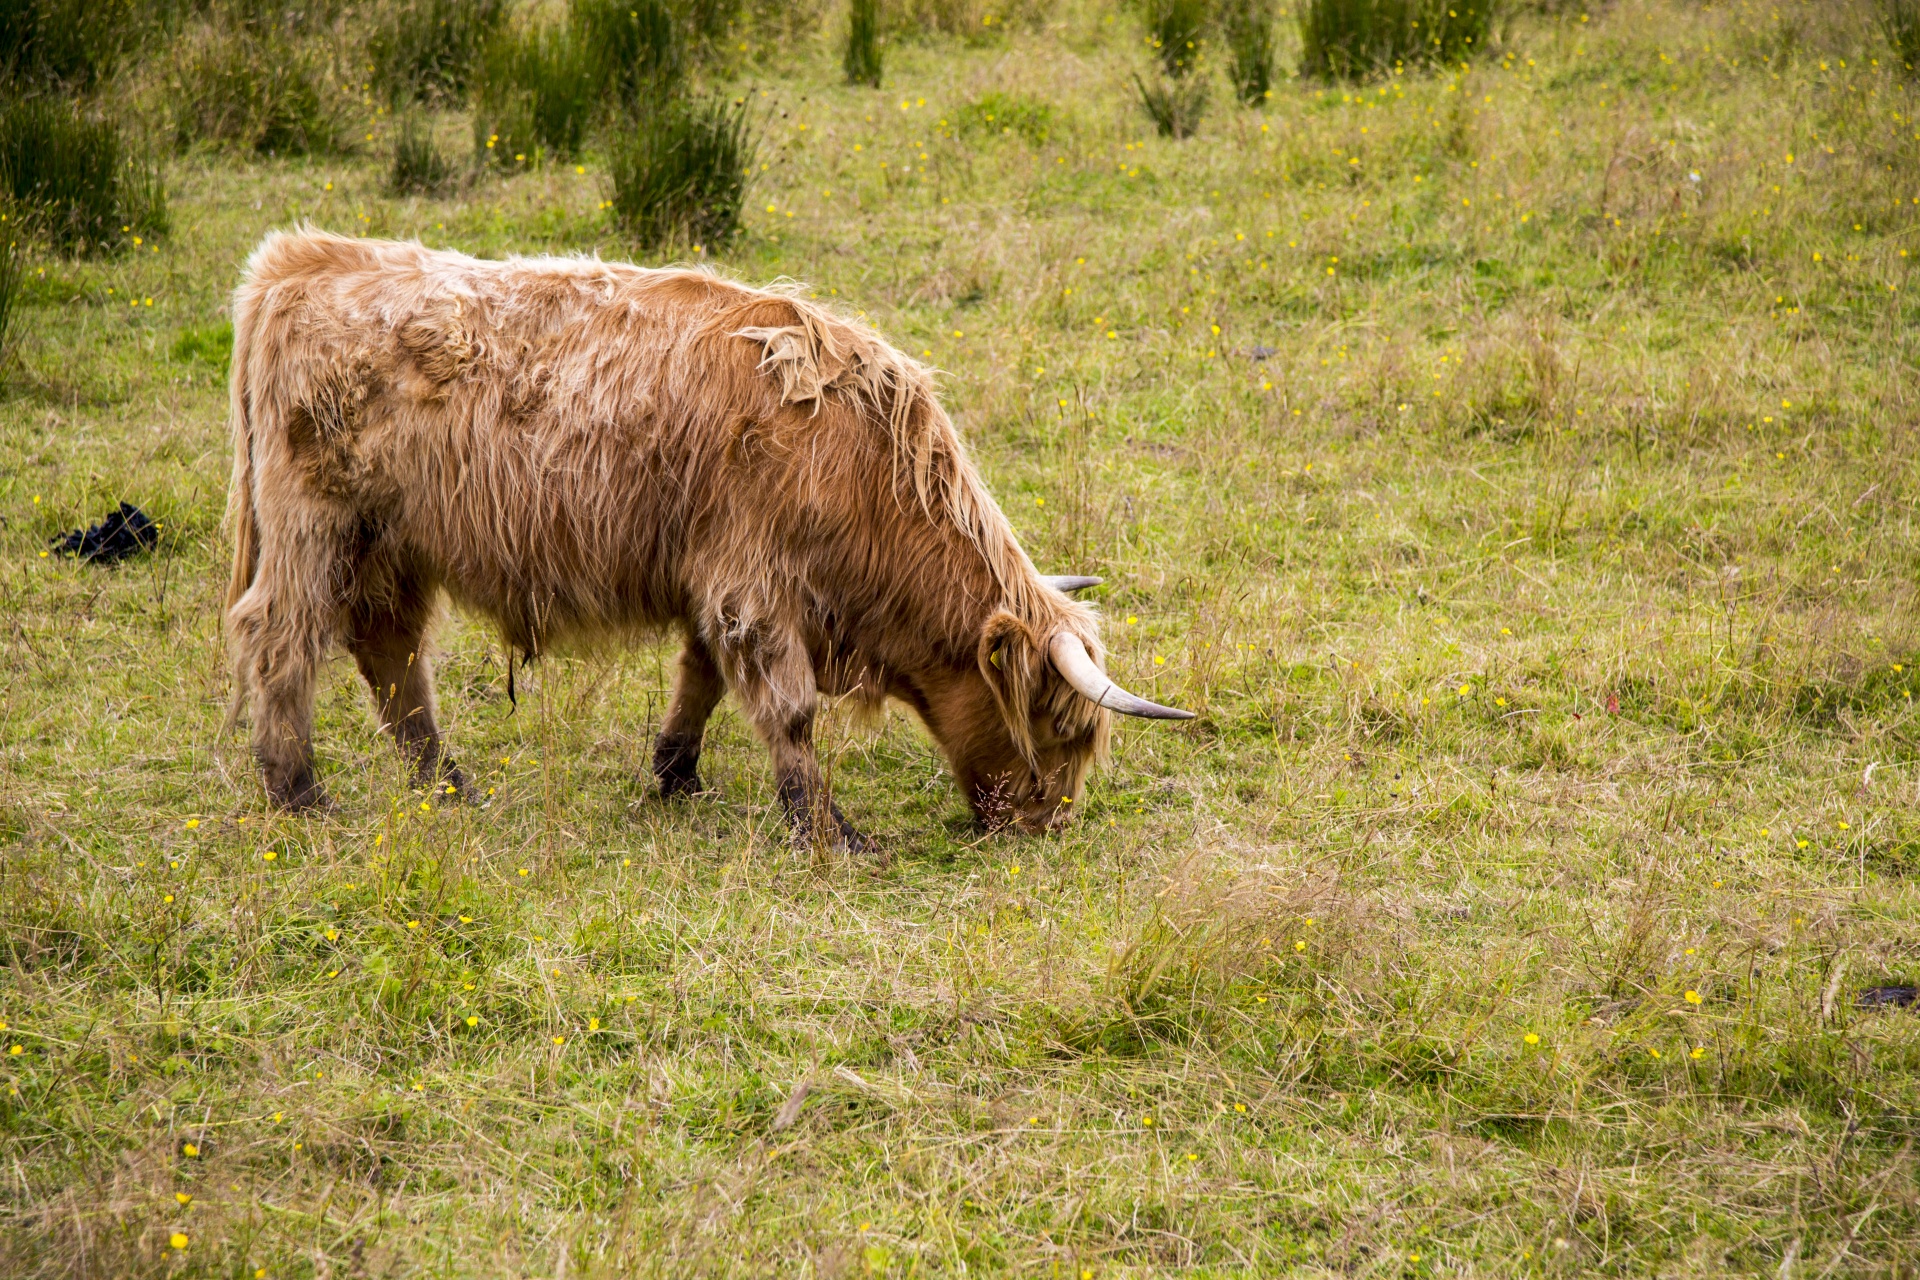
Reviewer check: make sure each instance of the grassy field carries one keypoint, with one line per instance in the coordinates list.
(1515, 463)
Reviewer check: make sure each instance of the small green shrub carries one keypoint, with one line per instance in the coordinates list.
(1175, 105)
(1900, 23)
(428, 49)
(637, 46)
(1174, 31)
(418, 168)
(1350, 39)
(537, 92)
(861, 58)
(682, 173)
(1247, 27)
(73, 180)
(258, 90)
(1004, 113)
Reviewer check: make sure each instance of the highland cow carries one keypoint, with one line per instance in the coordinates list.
(575, 448)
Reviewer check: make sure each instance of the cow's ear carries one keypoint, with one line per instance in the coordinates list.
(1010, 662)
(1007, 649)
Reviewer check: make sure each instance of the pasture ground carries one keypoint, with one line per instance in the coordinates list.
(1548, 590)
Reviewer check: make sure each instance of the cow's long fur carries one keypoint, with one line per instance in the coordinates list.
(581, 449)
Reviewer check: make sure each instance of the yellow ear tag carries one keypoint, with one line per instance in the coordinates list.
(994, 658)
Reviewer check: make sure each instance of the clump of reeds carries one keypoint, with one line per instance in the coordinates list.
(861, 58)
(1174, 105)
(1348, 39)
(257, 88)
(1900, 23)
(418, 168)
(73, 180)
(536, 94)
(680, 171)
(430, 49)
(1246, 26)
(637, 46)
(1174, 31)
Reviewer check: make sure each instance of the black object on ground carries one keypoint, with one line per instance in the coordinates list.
(121, 534)
(1887, 997)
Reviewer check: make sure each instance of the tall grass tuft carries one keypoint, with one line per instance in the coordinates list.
(637, 46)
(1210, 928)
(1350, 39)
(256, 88)
(681, 173)
(1900, 23)
(73, 179)
(537, 94)
(1174, 30)
(1174, 105)
(73, 44)
(425, 50)
(861, 57)
(1247, 27)
(418, 168)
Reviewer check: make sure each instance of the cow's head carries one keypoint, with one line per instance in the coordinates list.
(1022, 727)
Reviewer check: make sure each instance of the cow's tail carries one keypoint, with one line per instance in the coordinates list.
(242, 527)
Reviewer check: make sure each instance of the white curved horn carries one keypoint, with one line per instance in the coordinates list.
(1070, 582)
(1077, 668)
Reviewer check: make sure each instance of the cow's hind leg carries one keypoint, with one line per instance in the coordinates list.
(280, 630)
(773, 678)
(697, 689)
(386, 633)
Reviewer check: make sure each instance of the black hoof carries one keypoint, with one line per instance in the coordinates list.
(302, 795)
(680, 786)
(839, 835)
(676, 763)
(859, 845)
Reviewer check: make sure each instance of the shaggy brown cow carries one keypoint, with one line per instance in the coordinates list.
(573, 447)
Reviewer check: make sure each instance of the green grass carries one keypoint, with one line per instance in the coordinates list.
(1515, 466)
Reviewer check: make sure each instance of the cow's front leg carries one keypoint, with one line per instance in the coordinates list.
(812, 816)
(773, 679)
(697, 689)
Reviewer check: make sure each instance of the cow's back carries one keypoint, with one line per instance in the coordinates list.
(547, 437)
